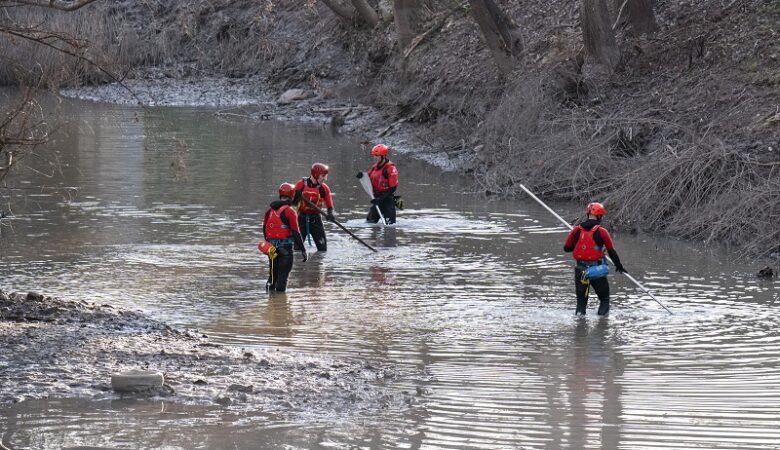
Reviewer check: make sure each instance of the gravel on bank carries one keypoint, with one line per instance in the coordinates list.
(55, 348)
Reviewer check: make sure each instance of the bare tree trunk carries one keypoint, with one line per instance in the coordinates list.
(341, 10)
(500, 33)
(404, 16)
(636, 13)
(598, 35)
(367, 13)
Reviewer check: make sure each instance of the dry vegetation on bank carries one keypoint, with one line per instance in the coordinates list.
(684, 137)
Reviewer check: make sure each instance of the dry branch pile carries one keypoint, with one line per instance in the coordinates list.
(653, 174)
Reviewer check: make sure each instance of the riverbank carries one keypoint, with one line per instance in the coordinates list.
(57, 348)
(682, 138)
(686, 124)
(252, 98)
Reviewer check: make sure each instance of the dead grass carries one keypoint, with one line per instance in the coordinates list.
(98, 39)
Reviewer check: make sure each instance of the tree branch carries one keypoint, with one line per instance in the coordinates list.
(62, 5)
(620, 13)
(49, 39)
(341, 10)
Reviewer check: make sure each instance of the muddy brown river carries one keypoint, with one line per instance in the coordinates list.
(469, 300)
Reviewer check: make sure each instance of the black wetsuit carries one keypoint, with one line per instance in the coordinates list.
(600, 285)
(280, 267)
(386, 204)
(311, 224)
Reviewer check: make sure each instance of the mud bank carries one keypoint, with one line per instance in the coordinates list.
(253, 99)
(55, 348)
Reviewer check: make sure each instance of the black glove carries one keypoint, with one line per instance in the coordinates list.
(305, 255)
(620, 269)
(329, 216)
(359, 175)
(375, 201)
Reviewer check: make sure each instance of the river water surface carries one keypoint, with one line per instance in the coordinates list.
(469, 299)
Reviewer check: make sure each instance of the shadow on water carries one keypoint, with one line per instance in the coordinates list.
(470, 301)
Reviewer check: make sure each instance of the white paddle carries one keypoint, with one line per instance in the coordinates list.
(366, 183)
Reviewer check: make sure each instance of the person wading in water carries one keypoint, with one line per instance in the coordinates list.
(280, 230)
(318, 193)
(384, 181)
(587, 242)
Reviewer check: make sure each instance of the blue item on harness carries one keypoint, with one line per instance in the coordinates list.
(596, 272)
(282, 243)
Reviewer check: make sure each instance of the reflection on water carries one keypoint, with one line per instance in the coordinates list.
(470, 300)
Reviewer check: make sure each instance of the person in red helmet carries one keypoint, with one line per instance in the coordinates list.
(587, 242)
(318, 193)
(280, 228)
(384, 182)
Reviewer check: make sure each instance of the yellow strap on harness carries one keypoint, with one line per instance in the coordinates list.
(586, 281)
(271, 257)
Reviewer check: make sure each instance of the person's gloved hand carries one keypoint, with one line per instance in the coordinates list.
(375, 201)
(620, 269)
(329, 216)
(305, 255)
(359, 175)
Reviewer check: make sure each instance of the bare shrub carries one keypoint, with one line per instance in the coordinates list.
(22, 129)
(652, 174)
(534, 141)
(704, 190)
(59, 47)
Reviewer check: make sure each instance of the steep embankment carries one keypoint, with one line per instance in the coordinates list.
(682, 138)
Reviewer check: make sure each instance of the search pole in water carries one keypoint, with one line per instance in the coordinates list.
(319, 210)
(607, 257)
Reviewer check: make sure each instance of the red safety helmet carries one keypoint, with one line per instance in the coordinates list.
(379, 150)
(318, 169)
(287, 190)
(595, 208)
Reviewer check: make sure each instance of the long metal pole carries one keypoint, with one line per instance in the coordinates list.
(312, 205)
(538, 200)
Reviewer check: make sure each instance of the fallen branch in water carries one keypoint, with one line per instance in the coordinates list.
(345, 108)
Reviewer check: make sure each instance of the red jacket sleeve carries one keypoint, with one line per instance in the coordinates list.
(392, 176)
(328, 196)
(292, 217)
(608, 244)
(265, 219)
(569, 244)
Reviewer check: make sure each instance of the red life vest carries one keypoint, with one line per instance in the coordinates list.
(315, 194)
(586, 248)
(381, 178)
(277, 226)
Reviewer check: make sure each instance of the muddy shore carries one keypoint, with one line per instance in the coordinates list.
(57, 348)
(253, 99)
